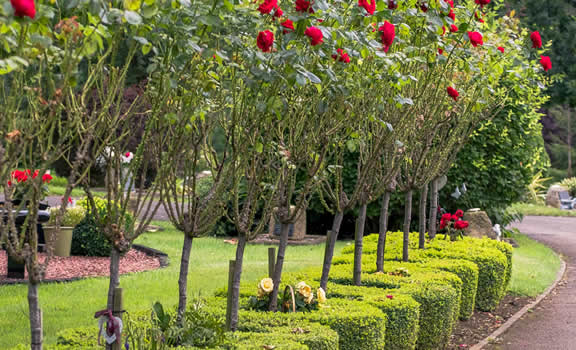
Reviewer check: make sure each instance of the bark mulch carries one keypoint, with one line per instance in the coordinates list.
(482, 324)
(76, 267)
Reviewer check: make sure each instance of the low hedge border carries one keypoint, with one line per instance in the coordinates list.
(493, 259)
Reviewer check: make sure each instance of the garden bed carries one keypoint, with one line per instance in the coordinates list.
(482, 324)
(65, 269)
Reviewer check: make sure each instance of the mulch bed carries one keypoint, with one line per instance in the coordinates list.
(482, 324)
(76, 267)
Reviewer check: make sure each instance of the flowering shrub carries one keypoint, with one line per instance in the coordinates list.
(453, 224)
(304, 298)
(22, 181)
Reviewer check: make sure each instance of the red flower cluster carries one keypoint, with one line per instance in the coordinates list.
(452, 93)
(501, 49)
(265, 40)
(388, 34)
(341, 56)
(288, 26)
(536, 40)
(303, 6)
(456, 218)
(315, 35)
(24, 8)
(452, 15)
(451, 3)
(546, 63)
(453, 28)
(482, 3)
(22, 176)
(368, 5)
(267, 6)
(475, 39)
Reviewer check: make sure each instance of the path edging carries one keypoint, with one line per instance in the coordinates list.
(512, 320)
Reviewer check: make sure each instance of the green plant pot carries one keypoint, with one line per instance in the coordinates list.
(62, 242)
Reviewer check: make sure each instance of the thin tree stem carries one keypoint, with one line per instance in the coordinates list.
(383, 228)
(359, 237)
(330, 245)
(407, 220)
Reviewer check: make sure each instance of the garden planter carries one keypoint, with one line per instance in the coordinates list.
(62, 242)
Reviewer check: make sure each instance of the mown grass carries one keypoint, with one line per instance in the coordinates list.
(70, 305)
(534, 267)
(540, 210)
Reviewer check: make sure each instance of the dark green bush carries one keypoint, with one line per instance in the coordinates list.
(439, 307)
(359, 325)
(88, 239)
(314, 335)
(402, 311)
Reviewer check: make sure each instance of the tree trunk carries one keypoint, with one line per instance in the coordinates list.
(422, 218)
(284, 230)
(35, 315)
(569, 141)
(383, 229)
(407, 220)
(236, 282)
(359, 237)
(114, 276)
(183, 278)
(330, 245)
(433, 208)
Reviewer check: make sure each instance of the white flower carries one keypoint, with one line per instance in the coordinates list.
(127, 157)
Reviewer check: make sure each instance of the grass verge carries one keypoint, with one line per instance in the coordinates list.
(534, 267)
(540, 210)
(69, 305)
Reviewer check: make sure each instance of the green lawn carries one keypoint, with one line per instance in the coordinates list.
(73, 304)
(534, 267)
(540, 210)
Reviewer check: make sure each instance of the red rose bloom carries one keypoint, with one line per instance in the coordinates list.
(24, 8)
(388, 34)
(446, 217)
(315, 35)
(265, 40)
(453, 28)
(443, 30)
(501, 49)
(452, 15)
(424, 7)
(390, 296)
(341, 56)
(454, 94)
(536, 40)
(46, 178)
(392, 5)
(459, 213)
(451, 3)
(303, 6)
(440, 51)
(482, 3)
(368, 5)
(267, 6)
(475, 39)
(278, 12)
(288, 26)
(546, 63)
(460, 225)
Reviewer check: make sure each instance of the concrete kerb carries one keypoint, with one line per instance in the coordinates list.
(523, 311)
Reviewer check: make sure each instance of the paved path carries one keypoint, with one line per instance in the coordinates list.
(552, 325)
